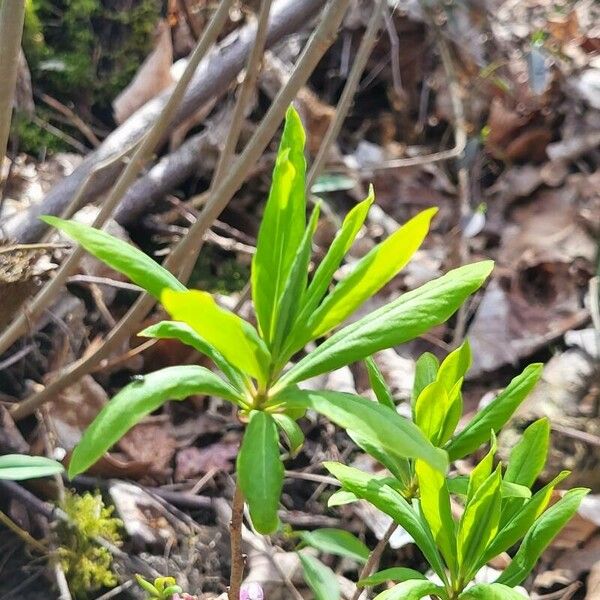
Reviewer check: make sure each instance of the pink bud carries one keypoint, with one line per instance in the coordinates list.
(252, 591)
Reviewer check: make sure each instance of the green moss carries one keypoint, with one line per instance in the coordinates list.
(87, 565)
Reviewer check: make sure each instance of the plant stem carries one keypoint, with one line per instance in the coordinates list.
(375, 557)
(237, 556)
(12, 14)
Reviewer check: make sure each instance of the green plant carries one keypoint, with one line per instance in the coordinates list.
(499, 509)
(163, 588)
(86, 564)
(291, 311)
(17, 467)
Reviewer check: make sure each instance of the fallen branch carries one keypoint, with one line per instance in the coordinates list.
(212, 78)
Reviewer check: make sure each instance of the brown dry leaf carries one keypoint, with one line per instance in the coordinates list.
(152, 78)
(151, 444)
(193, 461)
(564, 28)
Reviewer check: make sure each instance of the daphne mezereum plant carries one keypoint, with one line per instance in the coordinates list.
(291, 310)
(499, 509)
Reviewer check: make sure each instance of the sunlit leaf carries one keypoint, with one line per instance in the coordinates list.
(379, 384)
(412, 590)
(398, 574)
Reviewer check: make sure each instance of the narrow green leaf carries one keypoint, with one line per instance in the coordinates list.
(186, 335)
(389, 501)
(260, 471)
(514, 528)
(379, 384)
(491, 591)
(479, 524)
(139, 399)
(455, 366)
(282, 226)
(431, 408)
(119, 255)
(435, 505)
(528, 457)
(291, 430)
(295, 288)
(398, 574)
(341, 498)
(426, 369)
(233, 337)
(482, 470)
(401, 320)
(459, 485)
(378, 424)
(319, 578)
(336, 541)
(413, 589)
(496, 414)
(541, 534)
(453, 414)
(17, 467)
(370, 274)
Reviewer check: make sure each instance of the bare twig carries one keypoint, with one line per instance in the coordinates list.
(12, 14)
(360, 61)
(141, 155)
(320, 41)
(237, 555)
(24, 535)
(375, 557)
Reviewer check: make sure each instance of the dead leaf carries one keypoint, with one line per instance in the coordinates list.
(193, 461)
(152, 444)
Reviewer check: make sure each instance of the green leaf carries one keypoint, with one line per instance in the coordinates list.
(282, 226)
(515, 527)
(389, 501)
(324, 274)
(186, 335)
(413, 589)
(260, 471)
(295, 288)
(491, 591)
(319, 578)
(233, 337)
(403, 319)
(17, 467)
(453, 413)
(541, 534)
(435, 506)
(455, 366)
(291, 430)
(376, 423)
(431, 408)
(139, 399)
(459, 485)
(336, 541)
(482, 470)
(119, 255)
(379, 384)
(393, 574)
(496, 414)
(370, 274)
(528, 457)
(479, 524)
(426, 369)
(341, 498)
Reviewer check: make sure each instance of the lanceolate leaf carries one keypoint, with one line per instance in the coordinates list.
(336, 541)
(543, 531)
(17, 467)
(496, 414)
(376, 423)
(403, 319)
(528, 457)
(435, 506)
(260, 471)
(455, 366)
(139, 399)
(282, 226)
(378, 384)
(412, 590)
(233, 337)
(185, 334)
(292, 431)
(320, 578)
(393, 574)
(431, 408)
(341, 498)
(426, 369)
(119, 255)
(370, 274)
(491, 591)
(389, 501)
